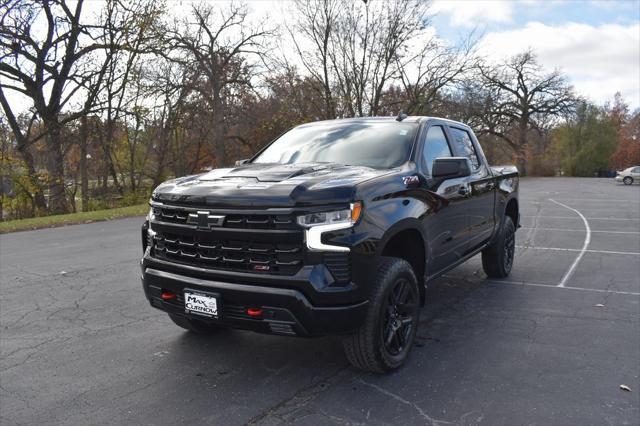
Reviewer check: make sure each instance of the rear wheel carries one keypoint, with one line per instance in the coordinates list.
(385, 339)
(497, 259)
(628, 180)
(194, 325)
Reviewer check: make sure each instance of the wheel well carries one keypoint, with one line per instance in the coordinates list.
(409, 245)
(512, 211)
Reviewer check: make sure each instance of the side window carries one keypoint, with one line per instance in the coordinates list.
(435, 145)
(463, 144)
(636, 170)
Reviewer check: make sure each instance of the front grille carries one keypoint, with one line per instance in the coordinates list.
(260, 222)
(205, 250)
(171, 214)
(180, 215)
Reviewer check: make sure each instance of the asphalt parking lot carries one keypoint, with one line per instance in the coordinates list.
(552, 344)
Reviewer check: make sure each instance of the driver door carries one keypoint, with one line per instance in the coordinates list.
(447, 221)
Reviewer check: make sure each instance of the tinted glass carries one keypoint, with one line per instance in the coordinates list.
(380, 145)
(636, 170)
(435, 146)
(462, 141)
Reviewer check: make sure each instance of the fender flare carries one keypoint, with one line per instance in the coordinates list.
(409, 223)
(406, 224)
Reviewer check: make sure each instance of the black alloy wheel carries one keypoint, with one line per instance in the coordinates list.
(400, 317)
(384, 341)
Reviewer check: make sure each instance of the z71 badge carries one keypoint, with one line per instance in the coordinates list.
(411, 180)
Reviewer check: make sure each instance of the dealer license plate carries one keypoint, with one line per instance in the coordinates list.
(201, 304)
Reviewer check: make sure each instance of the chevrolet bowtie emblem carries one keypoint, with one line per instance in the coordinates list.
(204, 220)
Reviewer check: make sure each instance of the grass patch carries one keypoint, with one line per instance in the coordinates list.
(72, 218)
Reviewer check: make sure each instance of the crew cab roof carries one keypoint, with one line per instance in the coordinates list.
(409, 119)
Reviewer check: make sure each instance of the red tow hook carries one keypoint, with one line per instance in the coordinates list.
(254, 312)
(168, 295)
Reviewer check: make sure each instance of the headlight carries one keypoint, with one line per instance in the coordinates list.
(319, 223)
(347, 216)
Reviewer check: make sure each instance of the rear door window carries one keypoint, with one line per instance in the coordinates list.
(464, 145)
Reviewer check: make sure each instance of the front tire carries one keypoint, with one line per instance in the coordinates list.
(383, 342)
(193, 325)
(497, 258)
(628, 180)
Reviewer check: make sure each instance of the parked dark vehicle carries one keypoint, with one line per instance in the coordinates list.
(336, 227)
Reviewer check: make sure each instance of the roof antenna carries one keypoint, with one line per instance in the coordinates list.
(401, 116)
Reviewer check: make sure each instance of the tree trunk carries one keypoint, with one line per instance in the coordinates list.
(162, 151)
(220, 132)
(38, 194)
(108, 159)
(521, 161)
(84, 179)
(521, 154)
(55, 168)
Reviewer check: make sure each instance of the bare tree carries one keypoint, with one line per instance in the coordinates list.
(358, 48)
(317, 21)
(520, 97)
(433, 68)
(215, 53)
(52, 68)
(46, 71)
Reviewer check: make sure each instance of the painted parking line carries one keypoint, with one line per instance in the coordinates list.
(599, 200)
(585, 245)
(630, 253)
(603, 200)
(593, 231)
(534, 204)
(590, 218)
(592, 290)
(531, 284)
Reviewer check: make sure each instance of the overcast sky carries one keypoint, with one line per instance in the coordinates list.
(595, 43)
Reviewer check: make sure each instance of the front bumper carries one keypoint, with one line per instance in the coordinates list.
(285, 310)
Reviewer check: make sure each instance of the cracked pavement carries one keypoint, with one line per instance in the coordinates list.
(79, 344)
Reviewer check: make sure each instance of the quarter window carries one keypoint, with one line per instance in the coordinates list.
(435, 146)
(462, 141)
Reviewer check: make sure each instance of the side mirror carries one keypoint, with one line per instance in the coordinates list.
(451, 167)
(241, 162)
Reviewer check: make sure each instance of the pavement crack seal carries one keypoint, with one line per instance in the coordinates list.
(420, 411)
(585, 245)
(301, 397)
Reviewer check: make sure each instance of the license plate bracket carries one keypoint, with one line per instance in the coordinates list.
(202, 303)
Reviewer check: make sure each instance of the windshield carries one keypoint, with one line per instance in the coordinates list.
(381, 145)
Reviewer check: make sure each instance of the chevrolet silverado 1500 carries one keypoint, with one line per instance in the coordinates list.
(336, 227)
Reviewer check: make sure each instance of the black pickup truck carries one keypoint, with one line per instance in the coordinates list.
(336, 227)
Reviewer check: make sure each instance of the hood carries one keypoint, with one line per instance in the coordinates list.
(269, 185)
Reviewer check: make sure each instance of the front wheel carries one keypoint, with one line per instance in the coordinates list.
(628, 180)
(385, 339)
(497, 258)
